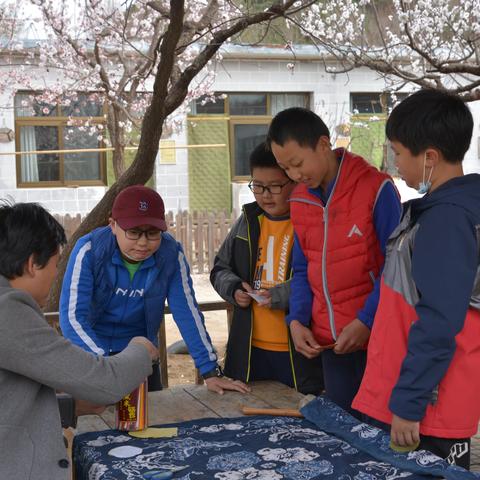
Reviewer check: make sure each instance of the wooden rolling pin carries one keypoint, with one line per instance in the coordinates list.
(283, 412)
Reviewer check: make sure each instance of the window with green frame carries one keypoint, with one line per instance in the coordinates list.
(249, 115)
(41, 126)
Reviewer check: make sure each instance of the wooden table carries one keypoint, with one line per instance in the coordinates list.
(189, 402)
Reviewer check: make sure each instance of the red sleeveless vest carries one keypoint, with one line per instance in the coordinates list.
(340, 244)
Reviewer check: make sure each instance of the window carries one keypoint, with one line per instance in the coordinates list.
(374, 103)
(41, 126)
(248, 116)
(209, 105)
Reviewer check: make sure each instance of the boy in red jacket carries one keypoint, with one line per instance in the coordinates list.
(424, 352)
(343, 212)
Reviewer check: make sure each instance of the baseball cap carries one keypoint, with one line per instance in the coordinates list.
(138, 205)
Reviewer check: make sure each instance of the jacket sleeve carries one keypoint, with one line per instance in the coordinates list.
(444, 265)
(223, 276)
(386, 216)
(76, 298)
(280, 296)
(32, 349)
(301, 297)
(188, 317)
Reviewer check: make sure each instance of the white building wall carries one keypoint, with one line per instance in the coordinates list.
(330, 98)
(172, 180)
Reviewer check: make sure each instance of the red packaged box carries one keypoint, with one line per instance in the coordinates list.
(131, 412)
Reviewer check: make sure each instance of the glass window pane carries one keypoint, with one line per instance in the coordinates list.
(366, 103)
(81, 166)
(82, 105)
(26, 105)
(281, 101)
(36, 167)
(248, 104)
(246, 138)
(206, 105)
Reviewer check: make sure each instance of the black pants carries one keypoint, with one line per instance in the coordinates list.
(456, 451)
(155, 379)
(269, 365)
(342, 375)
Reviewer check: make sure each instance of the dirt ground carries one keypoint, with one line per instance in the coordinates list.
(180, 367)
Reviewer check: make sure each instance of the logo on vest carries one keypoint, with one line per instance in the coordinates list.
(355, 231)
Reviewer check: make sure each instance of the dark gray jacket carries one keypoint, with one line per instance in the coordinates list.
(34, 362)
(234, 263)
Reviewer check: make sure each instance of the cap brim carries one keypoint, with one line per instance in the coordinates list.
(127, 223)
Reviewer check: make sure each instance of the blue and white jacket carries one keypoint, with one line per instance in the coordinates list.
(101, 309)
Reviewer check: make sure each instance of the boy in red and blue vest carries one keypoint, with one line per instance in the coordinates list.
(424, 352)
(343, 211)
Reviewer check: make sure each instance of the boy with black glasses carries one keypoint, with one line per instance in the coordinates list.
(252, 271)
(118, 278)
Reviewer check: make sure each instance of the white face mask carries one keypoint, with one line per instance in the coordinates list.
(424, 186)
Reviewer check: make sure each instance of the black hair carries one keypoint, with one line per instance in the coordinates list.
(26, 229)
(262, 157)
(299, 124)
(432, 119)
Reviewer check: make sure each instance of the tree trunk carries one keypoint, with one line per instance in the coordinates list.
(117, 138)
(165, 99)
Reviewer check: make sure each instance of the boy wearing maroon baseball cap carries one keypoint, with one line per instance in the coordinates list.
(118, 278)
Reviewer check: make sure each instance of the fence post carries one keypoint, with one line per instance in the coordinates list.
(211, 240)
(188, 237)
(199, 244)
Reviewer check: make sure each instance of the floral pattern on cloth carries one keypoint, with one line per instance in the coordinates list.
(328, 444)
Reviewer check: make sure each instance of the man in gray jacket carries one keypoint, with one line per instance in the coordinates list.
(35, 361)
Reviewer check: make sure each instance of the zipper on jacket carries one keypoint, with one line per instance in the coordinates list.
(331, 316)
(292, 365)
(251, 310)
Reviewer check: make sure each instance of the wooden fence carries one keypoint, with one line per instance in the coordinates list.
(200, 233)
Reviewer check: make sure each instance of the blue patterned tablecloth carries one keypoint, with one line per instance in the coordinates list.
(330, 444)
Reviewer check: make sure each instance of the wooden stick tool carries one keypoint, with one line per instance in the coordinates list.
(282, 412)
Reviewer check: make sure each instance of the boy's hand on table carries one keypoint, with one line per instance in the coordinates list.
(404, 432)
(304, 340)
(353, 337)
(241, 297)
(152, 349)
(220, 384)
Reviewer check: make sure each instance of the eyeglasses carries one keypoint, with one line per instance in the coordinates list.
(135, 234)
(272, 189)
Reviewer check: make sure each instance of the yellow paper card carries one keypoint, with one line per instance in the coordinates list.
(153, 432)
